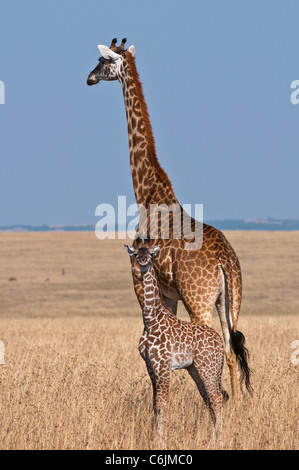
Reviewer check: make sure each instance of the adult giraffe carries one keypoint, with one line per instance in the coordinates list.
(200, 278)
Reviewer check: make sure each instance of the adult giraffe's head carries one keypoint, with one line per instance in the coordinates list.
(109, 66)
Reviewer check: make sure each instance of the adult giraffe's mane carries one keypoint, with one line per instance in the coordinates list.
(148, 127)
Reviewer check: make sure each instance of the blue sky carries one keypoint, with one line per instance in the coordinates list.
(216, 77)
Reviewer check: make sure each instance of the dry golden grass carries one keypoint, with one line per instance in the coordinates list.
(73, 378)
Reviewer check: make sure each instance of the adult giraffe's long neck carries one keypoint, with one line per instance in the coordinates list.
(151, 183)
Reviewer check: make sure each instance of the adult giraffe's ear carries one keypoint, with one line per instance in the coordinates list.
(130, 249)
(107, 53)
(132, 50)
(154, 250)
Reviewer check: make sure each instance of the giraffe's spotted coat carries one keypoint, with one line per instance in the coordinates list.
(201, 278)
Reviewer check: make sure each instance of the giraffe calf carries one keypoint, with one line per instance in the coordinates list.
(169, 343)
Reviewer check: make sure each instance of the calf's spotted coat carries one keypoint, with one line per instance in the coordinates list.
(169, 343)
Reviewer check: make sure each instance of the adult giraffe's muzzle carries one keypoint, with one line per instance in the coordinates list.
(92, 79)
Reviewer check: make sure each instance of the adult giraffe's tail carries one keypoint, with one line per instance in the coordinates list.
(232, 307)
(242, 355)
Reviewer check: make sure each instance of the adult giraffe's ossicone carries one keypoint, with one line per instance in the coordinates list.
(202, 278)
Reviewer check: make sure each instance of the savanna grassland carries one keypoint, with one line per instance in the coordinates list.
(73, 378)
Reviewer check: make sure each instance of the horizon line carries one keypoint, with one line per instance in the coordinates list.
(268, 224)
